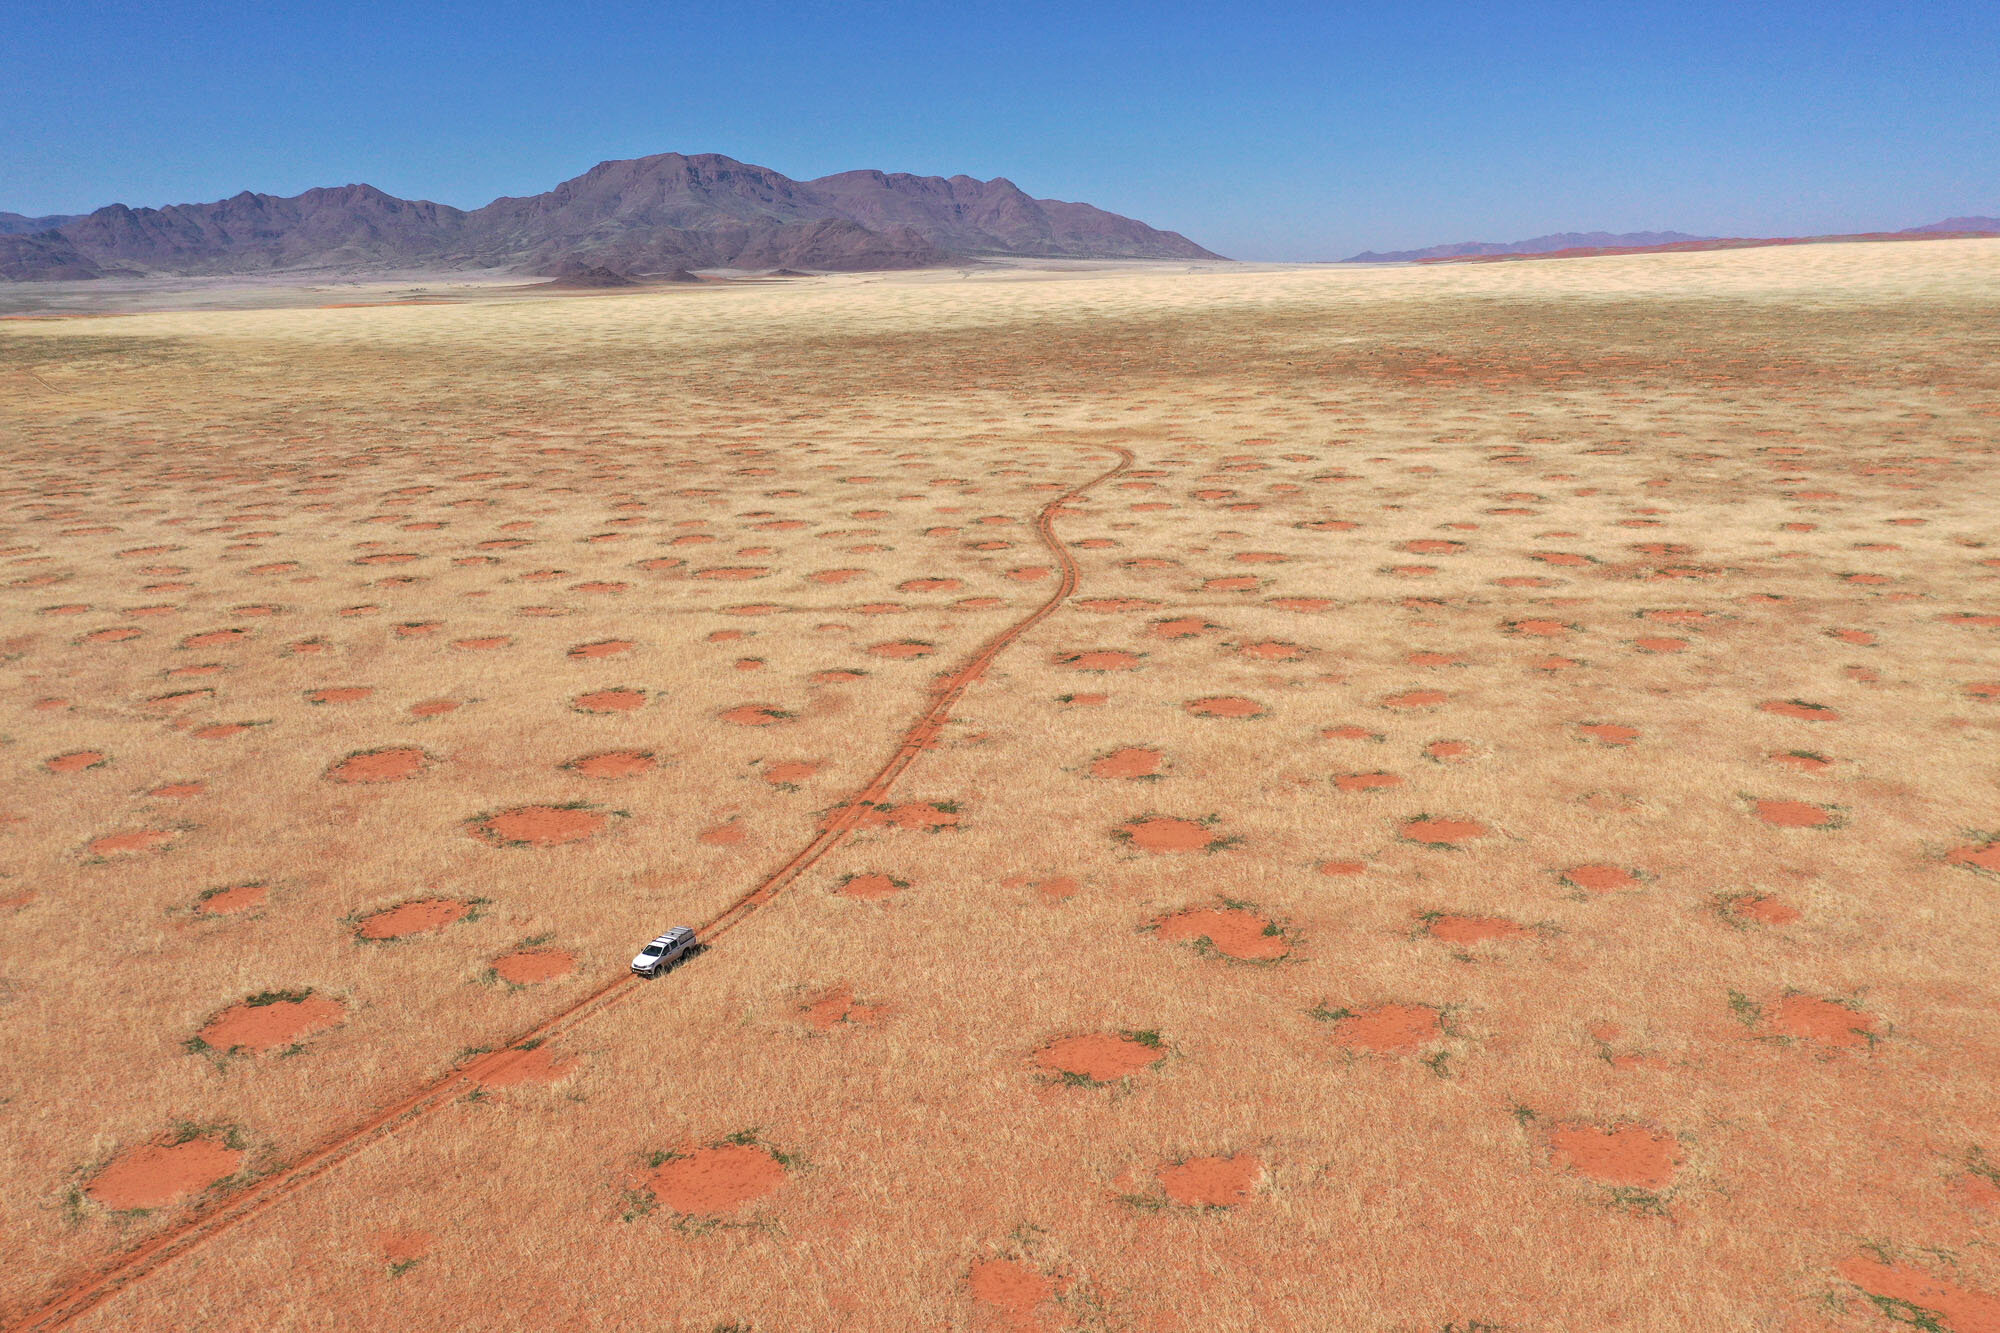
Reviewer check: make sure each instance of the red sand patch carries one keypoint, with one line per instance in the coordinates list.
(871, 887)
(401, 1247)
(236, 898)
(1599, 878)
(1366, 781)
(1802, 761)
(925, 815)
(540, 826)
(1164, 833)
(1012, 1290)
(1761, 908)
(1101, 660)
(1388, 1028)
(1225, 705)
(790, 773)
(838, 1006)
(1101, 1057)
(1961, 1309)
(1414, 699)
(1795, 814)
(389, 765)
(484, 645)
(160, 1173)
(613, 764)
(1810, 1018)
(526, 967)
(434, 707)
(1212, 1182)
(416, 918)
(1449, 752)
(716, 1180)
(1629, 1155)
(1444, 832)
(1609, 733)
(1976, 856)
(257, 1028)
(1474, 929)
(133, 842)
(1235, 932)
(901, 649)
(1134, 761)
(76, 761)
(610, 701)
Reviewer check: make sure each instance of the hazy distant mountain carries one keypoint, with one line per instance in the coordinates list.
(1536, 245)
(1975, 226)
(641, 216)
(1599, 242)
(13, 224)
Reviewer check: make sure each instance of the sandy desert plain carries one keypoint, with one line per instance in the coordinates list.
(1450, 798)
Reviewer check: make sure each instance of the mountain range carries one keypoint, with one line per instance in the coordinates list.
(1600, 242)
(635, 217)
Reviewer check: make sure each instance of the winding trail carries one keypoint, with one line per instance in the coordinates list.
(84, 1293)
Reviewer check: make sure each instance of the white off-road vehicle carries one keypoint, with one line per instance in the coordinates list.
(665, 951)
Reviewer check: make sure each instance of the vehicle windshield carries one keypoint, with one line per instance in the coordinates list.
(653, 951)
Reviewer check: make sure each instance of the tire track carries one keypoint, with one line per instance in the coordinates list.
(86, 1293)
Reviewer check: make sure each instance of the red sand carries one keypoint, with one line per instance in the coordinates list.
(76, 761)
(720, 1179)
(1810, 1018)
(1225, 705)
(1441, 832)
(1474, 929)
(1101, 1057)
(614, 764)
(237, 898)
(1630, 1155)
(416, 918)
(540, 826)
(1795, 814)
(258, 1028)
(1134, 761)
(753, 715)
(1235, 932)
(1162, 833)
(133, 841)
(1013, 1290)
(1762, 908)
(1103, 659)
(872, 886)
(1962, 1310)
(1212, 1182)
(160, 1173)
(1366, 781)
(1388, 1028)
(389, 765)
(1601, 878)
(525, 967)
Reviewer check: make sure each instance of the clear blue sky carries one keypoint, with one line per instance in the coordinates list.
(1303, 131)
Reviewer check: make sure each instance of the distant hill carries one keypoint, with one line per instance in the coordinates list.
(13, 224)
(1976, 226)
(1534, 245)
(1568, 244)
(637, 217)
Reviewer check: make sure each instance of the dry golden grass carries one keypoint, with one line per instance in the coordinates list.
(1692, 1026)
